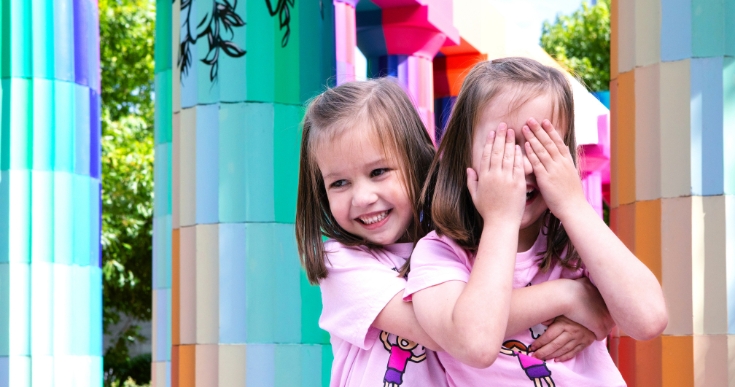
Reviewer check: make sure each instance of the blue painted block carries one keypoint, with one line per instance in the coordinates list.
(96, 374)
(80, 302)
(95, 242)
(4, 311)
(159, 253)
(95, 130)
(708, 28)
(327, 359)
(64, 40)
(163, 325)
(63, 309)
(42, 216)
(728, 101)
(64, 126)
(81, 131)
(63, 218)
(707, 126)
(167, 260)
(676, 30)
(246, 182)
(311, 365)
(288, 365)
(162, 177)
(15, 216)
(15, 371)
(287, 311)
(82, 220)
(43, 124)
(4, 371)
(42, 19)
(164, 109)
(42, 296)
(207, 164)
(260, 282)
(83, 27)
(95, 313)
(261, 368)
(17, 118)
(233, 310)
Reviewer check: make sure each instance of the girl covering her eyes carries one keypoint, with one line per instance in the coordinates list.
(364, 157)
(505, 199)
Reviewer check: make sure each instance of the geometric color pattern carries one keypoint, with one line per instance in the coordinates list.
(673, 180)
(231, 304)
(50, 276)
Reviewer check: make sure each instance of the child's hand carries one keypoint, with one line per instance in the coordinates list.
(562, 340)
(590, 309)
(556, 175)
(498, 187)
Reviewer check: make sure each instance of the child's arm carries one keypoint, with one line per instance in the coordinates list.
(562, 340)
(398, 318)
(632, 293)
(456, 314)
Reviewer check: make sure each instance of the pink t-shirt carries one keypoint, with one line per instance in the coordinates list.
(437, 259)
(360, 283)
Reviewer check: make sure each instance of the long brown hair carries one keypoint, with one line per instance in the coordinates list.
(383, 107)
(445, 195)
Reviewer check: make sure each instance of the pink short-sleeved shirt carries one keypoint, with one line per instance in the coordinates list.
(438, 259)
(360, 284)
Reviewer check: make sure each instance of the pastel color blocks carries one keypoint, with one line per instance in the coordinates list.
(672, 199)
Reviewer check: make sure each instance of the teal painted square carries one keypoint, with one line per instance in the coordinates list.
(728, 102)
(260, 282)
(287, 143)
(316, 26)
(81, 300)
(15, 216)
(17, 31)
(233, 71)
(311, 309)
(708, 28)
(43, 125)
(82, 131)
(64, 129)
(261, 46)
(64, 40)
(42, 302)
(311, 365)
(246, 163)
(95, 311)
(82, 220)
(42, 216)
(95, 241)
(162, 178)
(42, 21)
(63, 309)
(17, 141)
(207, 164)
(287, 63)
(327, 359)
(163, 110)
(288, 366)
(4, 309)
(63, 218)
(162, 50)
(730, 28)
(287, 307)
(162, 252)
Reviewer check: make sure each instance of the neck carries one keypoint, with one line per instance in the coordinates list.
(527, 236)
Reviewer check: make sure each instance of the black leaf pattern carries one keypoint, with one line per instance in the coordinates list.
(283, 11)
(221, 17)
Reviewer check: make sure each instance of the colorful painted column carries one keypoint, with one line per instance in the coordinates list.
(400, 39)
(229, 106)
(673, 180)
(345, 38)
(50, 276)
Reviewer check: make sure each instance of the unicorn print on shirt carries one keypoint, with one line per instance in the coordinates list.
(401, 352)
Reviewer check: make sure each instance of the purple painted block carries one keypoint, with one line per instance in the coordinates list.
(81, 49)
(95, 128)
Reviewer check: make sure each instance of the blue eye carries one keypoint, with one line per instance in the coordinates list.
(378, 172)
(338, 183)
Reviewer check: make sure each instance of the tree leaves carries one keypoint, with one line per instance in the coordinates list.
(581, 42)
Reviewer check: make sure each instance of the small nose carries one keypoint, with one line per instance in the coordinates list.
(364, 194)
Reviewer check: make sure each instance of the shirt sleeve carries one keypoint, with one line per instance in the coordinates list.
(356, 289)
(435, 260)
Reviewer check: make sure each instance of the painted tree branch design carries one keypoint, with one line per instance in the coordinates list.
(284, 17)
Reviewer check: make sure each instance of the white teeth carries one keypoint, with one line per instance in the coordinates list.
(374, 218)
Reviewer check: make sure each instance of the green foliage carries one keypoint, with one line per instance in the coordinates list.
(581, 43)
(126, 55)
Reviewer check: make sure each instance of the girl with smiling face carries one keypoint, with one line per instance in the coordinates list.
(364, 156)
(505, 199)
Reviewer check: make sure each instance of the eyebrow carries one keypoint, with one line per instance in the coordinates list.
(370, 165)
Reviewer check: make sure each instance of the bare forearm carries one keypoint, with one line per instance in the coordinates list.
(526, 310)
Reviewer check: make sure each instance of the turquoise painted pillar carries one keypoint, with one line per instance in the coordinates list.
(50, 276)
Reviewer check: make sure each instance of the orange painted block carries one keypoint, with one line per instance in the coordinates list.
(187, 286)
(614, 41)
(710, 360)
(676, 264)
(625, 136)
(648, 235)
(677, 361)
(614, 202)
(187, 364)
(207, 366)
(232, 365)
(625, 225)
(648, 363)
(647, 133)
(626, 355)
(175, 287)
(175, 365)
(675, 144)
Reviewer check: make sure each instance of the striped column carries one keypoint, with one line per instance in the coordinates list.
(345, 39)
(50, 276)
(673, 180)
(240, 312)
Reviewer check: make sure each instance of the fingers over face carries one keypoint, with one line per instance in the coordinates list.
(499, 145)
(509, 152)
(555, 136)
